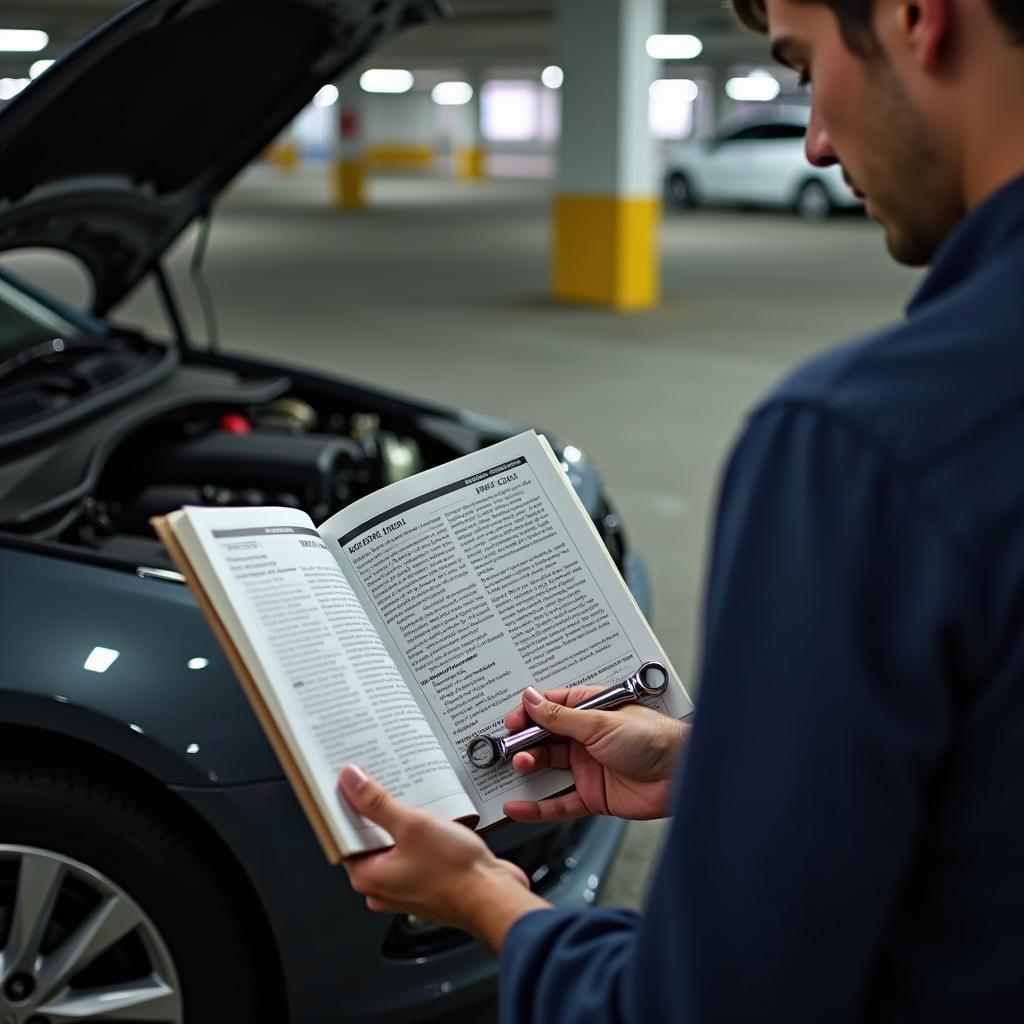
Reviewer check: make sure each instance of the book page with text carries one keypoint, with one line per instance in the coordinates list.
(318, 661)
(485, 576)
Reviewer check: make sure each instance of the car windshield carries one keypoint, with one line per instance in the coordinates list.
(25, 322)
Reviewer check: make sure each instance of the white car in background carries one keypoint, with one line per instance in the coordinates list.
(757, 163)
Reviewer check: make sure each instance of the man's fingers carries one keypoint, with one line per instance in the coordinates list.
(363, 870)
(584, 726)
(557, 808)
(372, 800)
(570, 696)
(553, 755)
(518, 719)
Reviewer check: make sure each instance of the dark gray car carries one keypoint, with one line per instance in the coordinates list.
(154, 864)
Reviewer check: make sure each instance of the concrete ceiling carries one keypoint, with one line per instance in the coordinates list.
(481, 33)
(521, 32)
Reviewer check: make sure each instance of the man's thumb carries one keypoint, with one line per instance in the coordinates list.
(584, 726)
(370, 798)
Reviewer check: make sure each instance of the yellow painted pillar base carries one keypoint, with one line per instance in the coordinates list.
(284, 156)
(348, 184)
(400, 157)
(606, 251)
(470, 163)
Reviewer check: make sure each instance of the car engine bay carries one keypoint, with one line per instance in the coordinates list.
(207, 436)
(223, 432)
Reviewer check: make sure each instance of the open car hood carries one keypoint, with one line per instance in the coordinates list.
(111, 153)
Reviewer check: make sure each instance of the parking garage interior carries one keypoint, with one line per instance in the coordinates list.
(437, 281)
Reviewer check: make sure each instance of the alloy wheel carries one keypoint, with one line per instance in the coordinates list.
(74, 946)
(813, 203)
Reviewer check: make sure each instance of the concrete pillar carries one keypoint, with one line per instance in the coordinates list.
(608, 206)
(470, 152)
(712, 99)
(400, 132)
(348, 163)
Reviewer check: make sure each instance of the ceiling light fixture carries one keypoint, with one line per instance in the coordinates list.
(553, 76)
(757, 87)
(326, 97)
(393, 80)
(23, 40)
(682, 47)
(674, 90)
(10, 87)
(38, 68)
(452, 94)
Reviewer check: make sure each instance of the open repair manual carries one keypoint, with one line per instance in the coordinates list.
(409, 623)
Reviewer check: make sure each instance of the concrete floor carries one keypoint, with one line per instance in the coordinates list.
(440, 290)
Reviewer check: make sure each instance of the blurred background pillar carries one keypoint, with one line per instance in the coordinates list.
(712, 98)
(349, 164)
(283, 152)
(470, 151)
(607, 208)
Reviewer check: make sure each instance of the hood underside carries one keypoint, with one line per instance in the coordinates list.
(120, 145)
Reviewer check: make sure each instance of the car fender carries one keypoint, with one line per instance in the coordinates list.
(693, 174)
(797, 178)
(182, 725)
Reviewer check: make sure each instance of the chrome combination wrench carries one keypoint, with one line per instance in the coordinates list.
(649, 680)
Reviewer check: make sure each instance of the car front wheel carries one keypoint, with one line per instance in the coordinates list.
(680, 191)
(813, 202)
(107, 915)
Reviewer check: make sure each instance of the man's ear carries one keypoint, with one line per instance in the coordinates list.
(926, 27)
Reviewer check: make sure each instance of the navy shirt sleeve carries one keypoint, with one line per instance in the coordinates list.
(835, 611)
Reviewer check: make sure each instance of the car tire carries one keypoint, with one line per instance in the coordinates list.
(680, 191)
(813, 202)
(77, 853)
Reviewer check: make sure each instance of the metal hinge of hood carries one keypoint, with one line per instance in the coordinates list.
(169, 300)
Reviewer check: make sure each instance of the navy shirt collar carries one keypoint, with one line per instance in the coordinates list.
(985, 230)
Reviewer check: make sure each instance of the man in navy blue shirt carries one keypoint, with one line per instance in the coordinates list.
(847, 840)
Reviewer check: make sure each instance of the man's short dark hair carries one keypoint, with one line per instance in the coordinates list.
(855, 18)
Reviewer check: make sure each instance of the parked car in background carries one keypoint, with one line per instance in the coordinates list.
(154, 863)
(757, 163)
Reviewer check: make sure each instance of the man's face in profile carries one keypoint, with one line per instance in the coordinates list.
(863, 117)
